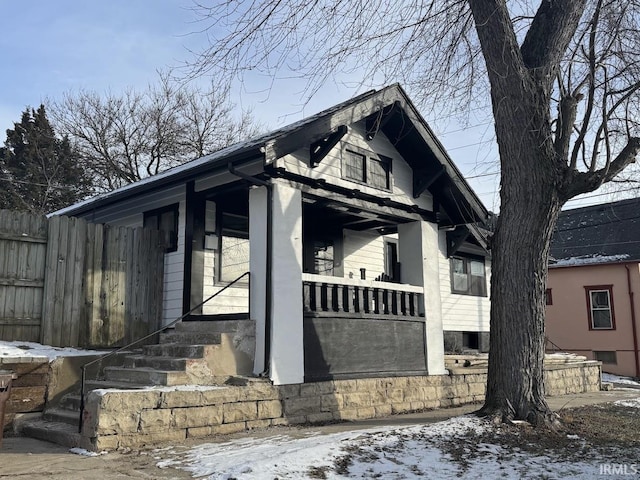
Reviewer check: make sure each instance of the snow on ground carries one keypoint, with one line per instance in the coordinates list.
(413, 452)
(610, 378)
(85, 453)
(163, 388)
(632, 402)
(19, 349)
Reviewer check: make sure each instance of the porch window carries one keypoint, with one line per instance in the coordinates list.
(234, 247)
(366, 167)
(323, 257)
(468, 276)
(166, 220)
(600, 307)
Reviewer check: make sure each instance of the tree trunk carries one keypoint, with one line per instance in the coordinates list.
(530, 206)
(531, 179)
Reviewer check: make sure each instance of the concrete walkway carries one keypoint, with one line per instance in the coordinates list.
(34, 459)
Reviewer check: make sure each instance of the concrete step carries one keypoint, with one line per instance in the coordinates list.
(190, 338)
(215, 326)
(54, 432)
(146, 376)
(60, 415)
(177, 350)
(71, 401)
(157, 363)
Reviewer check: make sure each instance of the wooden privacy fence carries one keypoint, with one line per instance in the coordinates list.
(23, 247)
(89, 285)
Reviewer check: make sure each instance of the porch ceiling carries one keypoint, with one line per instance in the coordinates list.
(332, 213)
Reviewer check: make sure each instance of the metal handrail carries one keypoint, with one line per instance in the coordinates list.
(557, 348)
(129, 345)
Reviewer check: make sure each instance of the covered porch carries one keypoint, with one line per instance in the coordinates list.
(323, 307)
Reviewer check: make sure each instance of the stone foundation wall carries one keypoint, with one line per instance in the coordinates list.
(137, 419)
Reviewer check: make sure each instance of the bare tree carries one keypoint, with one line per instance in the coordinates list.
(562, 78)
(125, 137)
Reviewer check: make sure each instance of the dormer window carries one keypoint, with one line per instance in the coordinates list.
(366, 167)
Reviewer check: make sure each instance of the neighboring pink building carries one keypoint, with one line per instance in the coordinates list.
(593, 289)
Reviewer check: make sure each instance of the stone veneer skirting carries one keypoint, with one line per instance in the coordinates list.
(144, 418)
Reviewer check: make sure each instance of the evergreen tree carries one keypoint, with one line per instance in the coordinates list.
(39, 172)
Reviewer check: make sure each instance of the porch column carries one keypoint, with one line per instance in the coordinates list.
(287, 347)
(286, 342)
(258, 267)
(419, 259)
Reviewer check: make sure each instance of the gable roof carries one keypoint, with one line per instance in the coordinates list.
(606, 233)
(388, 110)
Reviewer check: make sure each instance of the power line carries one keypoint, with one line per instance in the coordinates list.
(576, 199)
(469, 145)
(34, 184)
(489, 174)
(464, 129)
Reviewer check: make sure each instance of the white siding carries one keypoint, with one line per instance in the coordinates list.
(363, 250)
(330, 168)
(466, 313)
(233, 300)
(130, 213)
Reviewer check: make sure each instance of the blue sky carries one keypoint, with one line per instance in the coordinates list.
(52, 47)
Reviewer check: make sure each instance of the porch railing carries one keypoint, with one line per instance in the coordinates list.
(336, 296)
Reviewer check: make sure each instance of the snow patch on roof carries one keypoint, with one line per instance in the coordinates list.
(590, 260)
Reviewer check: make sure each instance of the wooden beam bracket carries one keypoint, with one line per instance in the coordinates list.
(421, 182)
(455, 239)
(320, 148)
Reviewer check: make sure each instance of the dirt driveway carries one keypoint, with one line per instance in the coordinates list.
(28, 458)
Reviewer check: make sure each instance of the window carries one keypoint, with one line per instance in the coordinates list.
(233, 258)
(600, 307)
(606, 357)
(323, 257)
(548, 297)
(391, 264)
(355, 166)
(379, 170)
(366, 167)
(166, 220)
(468, 276)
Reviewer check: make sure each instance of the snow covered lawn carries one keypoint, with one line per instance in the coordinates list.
(610, 378)
(463, 447)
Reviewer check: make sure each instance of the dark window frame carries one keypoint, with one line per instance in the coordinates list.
(350, 156)
(171, 237)
(467, 259)
(548, 297)
(368, 159)
(600, 288)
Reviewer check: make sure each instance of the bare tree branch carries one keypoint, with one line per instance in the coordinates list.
(123, 138)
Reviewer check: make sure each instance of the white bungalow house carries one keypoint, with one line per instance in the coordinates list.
(357, 229)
